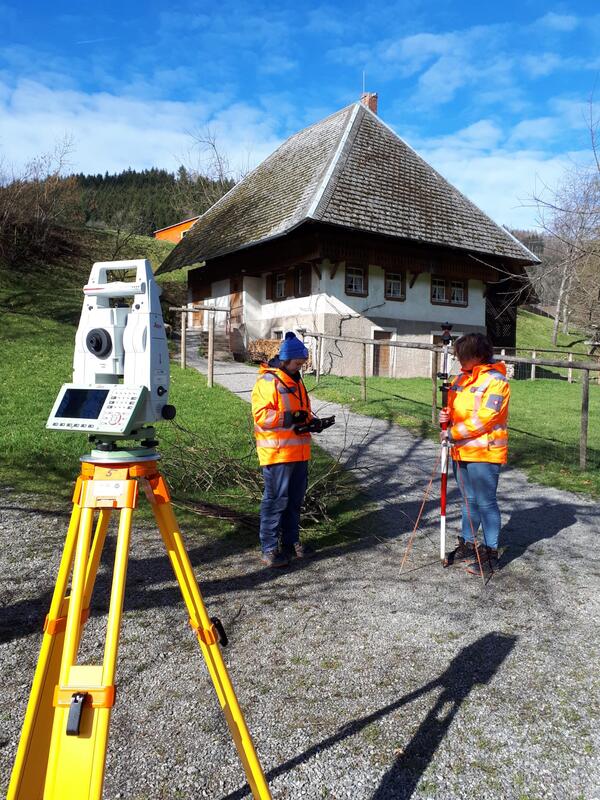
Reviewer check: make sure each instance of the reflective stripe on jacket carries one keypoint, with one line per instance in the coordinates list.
(478, 403)
(275, 397)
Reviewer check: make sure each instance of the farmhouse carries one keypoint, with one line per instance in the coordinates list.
(175, 232)
(345, 230)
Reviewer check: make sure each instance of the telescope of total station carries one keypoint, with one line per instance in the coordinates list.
(120, 389)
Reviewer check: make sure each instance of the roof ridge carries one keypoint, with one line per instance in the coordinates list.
(333, 163)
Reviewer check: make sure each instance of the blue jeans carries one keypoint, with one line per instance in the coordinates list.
(478, 482)
(285, 487)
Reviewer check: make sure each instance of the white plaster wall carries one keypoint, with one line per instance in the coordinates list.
(414, 319)
(219, 298)
(254, 289)
(331, 298)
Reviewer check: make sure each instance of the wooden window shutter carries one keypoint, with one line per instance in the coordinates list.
(269, 286)
(302, 276)
(289, 283)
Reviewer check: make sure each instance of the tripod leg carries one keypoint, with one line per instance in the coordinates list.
(27, 779)
(85, 694)
(208, 639)
(29, 771)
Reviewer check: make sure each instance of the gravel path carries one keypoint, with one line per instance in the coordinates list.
(356, 682)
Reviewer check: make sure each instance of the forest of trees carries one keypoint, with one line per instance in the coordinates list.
(145, 200)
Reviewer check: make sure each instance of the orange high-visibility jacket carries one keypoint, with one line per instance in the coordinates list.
(275, 397)
(478, 403)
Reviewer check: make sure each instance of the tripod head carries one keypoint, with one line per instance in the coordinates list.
(121, 360)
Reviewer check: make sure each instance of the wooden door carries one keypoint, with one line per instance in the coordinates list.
(199, 295)
(236, 302)
(381, 354)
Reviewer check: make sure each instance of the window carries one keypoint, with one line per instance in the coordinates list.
(395, 286)
(278, 334)
(356, 281)
(448, 291)
(438, 290)
(280, 282)
(302, 283)
(457, 293)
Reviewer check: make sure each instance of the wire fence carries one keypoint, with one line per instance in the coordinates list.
(568, 367)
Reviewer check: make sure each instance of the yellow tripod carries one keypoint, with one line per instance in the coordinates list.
(62, 750)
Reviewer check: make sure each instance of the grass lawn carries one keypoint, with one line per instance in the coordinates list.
(544, 422)
(40, 310)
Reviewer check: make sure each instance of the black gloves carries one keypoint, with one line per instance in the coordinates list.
(316, 425)
(299, 416)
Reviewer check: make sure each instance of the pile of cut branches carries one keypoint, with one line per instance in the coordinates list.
(203, 467)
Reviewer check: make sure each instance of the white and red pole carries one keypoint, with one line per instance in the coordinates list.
(445, 454)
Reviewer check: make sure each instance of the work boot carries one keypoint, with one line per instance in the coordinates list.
(464, 550)
(298, 550)
(273, 558)
(489, 562)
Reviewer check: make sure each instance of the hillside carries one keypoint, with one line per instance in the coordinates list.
(534, 332)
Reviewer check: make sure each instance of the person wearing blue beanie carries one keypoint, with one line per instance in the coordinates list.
(292, 347)
(281, 407)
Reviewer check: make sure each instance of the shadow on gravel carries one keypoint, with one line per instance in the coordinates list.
(474, 665)
(530, 525)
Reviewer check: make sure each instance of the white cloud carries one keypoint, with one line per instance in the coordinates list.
(535, 131)
(112, 133)
(275, 65)
(481, 136)
(542, 64)
(501, 183)
(559, 22)
(501, 170)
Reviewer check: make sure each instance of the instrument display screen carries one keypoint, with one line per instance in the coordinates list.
(82, 403)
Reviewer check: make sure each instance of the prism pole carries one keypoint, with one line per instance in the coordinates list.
(445, 447)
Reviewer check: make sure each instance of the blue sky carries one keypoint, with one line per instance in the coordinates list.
(494, 95)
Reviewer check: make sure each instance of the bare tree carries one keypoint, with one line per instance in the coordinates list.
(35, 203)
(205, 176)
(571, 218)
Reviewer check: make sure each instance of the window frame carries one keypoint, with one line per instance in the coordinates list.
(396, 298)
(448, 281)
(365, 279)
(276, 277)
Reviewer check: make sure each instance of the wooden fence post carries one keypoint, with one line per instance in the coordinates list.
(363, 377)
(533, 357)
(318, 357)
(211, 348)
(570, 370)
(183, 338)
(585, 407)
(434, 371)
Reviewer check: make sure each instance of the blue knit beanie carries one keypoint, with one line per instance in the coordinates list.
(292, 347)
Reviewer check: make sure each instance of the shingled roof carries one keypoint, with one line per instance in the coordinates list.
(349, 170)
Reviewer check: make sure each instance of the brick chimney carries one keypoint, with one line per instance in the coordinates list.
(369, 99)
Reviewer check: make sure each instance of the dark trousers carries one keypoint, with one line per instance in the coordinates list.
(285, 487)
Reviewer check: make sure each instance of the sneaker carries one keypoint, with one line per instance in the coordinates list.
(489, 562)
(299, 550)
(273, 558)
